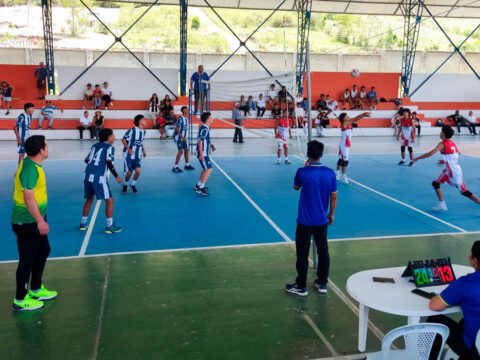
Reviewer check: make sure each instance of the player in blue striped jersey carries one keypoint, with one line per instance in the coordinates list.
(133, 152)
(204, 146)
(180, 137)
(22, 129)
(99, 165)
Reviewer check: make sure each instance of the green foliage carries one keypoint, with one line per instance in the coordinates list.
(195, 23)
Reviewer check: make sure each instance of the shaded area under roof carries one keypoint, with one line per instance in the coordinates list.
(439, 8)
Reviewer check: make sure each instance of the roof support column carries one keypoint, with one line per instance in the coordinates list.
(304, 11)
(48, 45)
(183, 46)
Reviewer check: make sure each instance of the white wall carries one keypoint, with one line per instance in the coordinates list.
(446, 87)
(126, 83)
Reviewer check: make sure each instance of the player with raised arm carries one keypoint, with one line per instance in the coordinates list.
(452, 173)
(99, 165)
(283, 133)
(133, 152)
(344, 146)
(407, 131)
(204, 146)
(180, 138)
(22, 129)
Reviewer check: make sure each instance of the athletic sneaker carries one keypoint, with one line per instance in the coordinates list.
(197, 188)
(189, 167)
(124, 189)
(177, 170)
(401, 162)
(203, 192)
(27, 304)
(322, 288)
(344, 179)
(134, 188)
(440, 207)
(42, 294)
(8, 112)
(287, 162)
(113, 229)
(294, 289)
(278, 162)
(339, 175)
(411, 164)
(83, 227)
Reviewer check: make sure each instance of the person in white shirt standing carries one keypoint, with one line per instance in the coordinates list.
(107, 95)
(85, 123)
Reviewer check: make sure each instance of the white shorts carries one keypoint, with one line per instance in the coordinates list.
(343, 152)
(7, 98)
(282, 145)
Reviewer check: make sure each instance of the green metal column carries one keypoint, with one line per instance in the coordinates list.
(183, 46)
(48, 45)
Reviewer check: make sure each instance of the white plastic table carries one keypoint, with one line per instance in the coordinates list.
(394, 298)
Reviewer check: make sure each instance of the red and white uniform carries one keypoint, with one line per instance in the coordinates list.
(283, 132)
(452, 174)
(408, 131)
(344, 146)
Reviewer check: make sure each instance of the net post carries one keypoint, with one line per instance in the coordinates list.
(309, 91)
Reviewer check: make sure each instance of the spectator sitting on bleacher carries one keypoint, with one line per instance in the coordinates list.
(362, 98)
(6, 91)
(272, 96)
(304, 104)
(301, 119)
(260, 106)
(167, 107)
(47, 114)
(107, 95)
(154, 108)
(417, 122)
(243, 106)
(88, 96)
(321, 104)
(332, 104)
(98, 123)
(354, 97)
(85, 124)
(97, 96)
(282, 95)
(165, 99)
(251, 104)
(276, 111)
(345, 98)
(459, 121)
(472, 120)
(372, 98)
(170, 123)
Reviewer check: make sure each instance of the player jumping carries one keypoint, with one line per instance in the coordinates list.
(180, 137)
(344, 146)
(407, 131)
(204, 146)
(133, 151)
(452, 174)
(283, 133)
(99, 164)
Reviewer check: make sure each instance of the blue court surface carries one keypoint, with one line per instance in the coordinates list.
(252, 202)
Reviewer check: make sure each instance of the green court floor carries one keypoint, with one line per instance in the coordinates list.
(208, 304)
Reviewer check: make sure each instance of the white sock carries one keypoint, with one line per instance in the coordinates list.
(125, 182)
(286, 158)
(176, 166)
(109, 222)
(278, 159)
(187, 164)
(84, 219)
(201, 185)
(133, 182)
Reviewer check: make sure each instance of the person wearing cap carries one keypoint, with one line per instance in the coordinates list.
(133, 152)
(238, 120)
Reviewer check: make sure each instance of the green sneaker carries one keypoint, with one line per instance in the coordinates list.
(42, 294)
(27, 304)
(113, 229)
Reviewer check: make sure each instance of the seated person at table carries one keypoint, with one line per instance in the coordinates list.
(463, 292)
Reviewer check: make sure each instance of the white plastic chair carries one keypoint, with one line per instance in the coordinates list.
(418, 342)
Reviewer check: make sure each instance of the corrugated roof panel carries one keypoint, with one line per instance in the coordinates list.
(373, 9)
(329, 6)
(271, 4)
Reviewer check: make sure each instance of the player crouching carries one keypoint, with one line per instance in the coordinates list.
(452, 174)
(99, 164)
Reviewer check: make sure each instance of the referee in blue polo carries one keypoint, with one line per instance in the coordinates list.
(199, 84)
(316, 210)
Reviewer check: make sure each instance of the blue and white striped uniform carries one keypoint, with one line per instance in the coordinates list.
(204, 137)
(23, 126)
(95, 180)
(48, 110)
(182, 126)
(134, 138)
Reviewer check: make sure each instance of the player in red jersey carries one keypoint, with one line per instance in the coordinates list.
(407, 132)
(344, 146)
(283, 133)
(452, 173)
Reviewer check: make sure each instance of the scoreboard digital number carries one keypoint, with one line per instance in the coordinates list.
(430, 272)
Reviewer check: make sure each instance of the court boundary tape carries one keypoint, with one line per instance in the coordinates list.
(340, 294)
(88, 235)
(96, 346)
(403, 204)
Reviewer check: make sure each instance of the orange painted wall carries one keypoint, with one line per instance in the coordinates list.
(22, 78)
(334, 83)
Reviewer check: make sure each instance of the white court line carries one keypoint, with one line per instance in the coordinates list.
(404, 204)
(320, 334)
(249, 199)
(403, 236)
(86, 239)
(102, 310)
